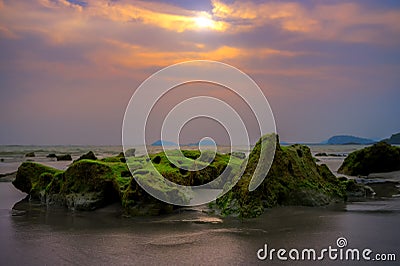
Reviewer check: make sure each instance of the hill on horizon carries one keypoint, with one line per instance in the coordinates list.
(394, 139)
(163, 143)
(170, 143)
(348, 139)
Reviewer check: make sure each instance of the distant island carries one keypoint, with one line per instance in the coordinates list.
(204, 142)
(394, 139)
(163, 143)
(348, 139)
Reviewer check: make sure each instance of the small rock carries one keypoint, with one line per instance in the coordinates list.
(51, 155)
(130, 153)
(88, 156)
(30, 154)
(66, 157)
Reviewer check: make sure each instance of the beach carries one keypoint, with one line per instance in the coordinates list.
(188, 236)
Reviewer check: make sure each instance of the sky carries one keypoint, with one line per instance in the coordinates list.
(69, 68)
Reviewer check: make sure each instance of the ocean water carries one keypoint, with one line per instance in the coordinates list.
(40, 236)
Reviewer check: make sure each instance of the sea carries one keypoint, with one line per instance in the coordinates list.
(42, 236)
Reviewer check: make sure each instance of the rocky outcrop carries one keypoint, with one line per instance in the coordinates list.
(91, 184)
(28, 175)
(88, 156)
(85, 185)
(294, 179)
(378, 158)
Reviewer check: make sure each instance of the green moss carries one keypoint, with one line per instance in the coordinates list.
(381, 157)
(28, 175)
(293, 179)
(190, 178)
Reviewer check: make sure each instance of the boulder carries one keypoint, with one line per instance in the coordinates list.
(293, 179)
(28, 175)
(378, 158)
(51, 155)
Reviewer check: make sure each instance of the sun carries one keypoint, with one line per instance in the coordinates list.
(204, 21)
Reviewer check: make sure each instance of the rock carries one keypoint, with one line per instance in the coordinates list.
(66, 157)
(89, 185)
(88, 156)
(51, 155)
(294, 179)
(30, 154)
(356, 191)
(28, 175)
(378, 158)
(130, 153)
(240, 155)
(8, 177)
(1, 160)
(320, 154)
(85, 185)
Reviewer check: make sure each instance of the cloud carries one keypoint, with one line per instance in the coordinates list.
(347, 22)
(122, 54)
(245, 15)
(7, 33)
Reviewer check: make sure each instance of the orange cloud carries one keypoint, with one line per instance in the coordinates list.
(348, 22)
(159, 15)
(133, 56)
(248, 15)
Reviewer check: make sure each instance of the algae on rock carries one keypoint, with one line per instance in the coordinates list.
(378, 158)
(293, 179)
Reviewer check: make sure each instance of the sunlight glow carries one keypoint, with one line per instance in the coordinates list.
(204, 21)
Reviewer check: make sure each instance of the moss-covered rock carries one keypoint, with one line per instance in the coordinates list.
(28, 175)
(378, 158)
(87, 156)
(89, 185)
(178, 174)
(294, 179)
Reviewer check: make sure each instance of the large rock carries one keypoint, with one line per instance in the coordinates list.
(89, 185)
(378, 158)
(294, 179)
(28, 175)
(85, 185)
